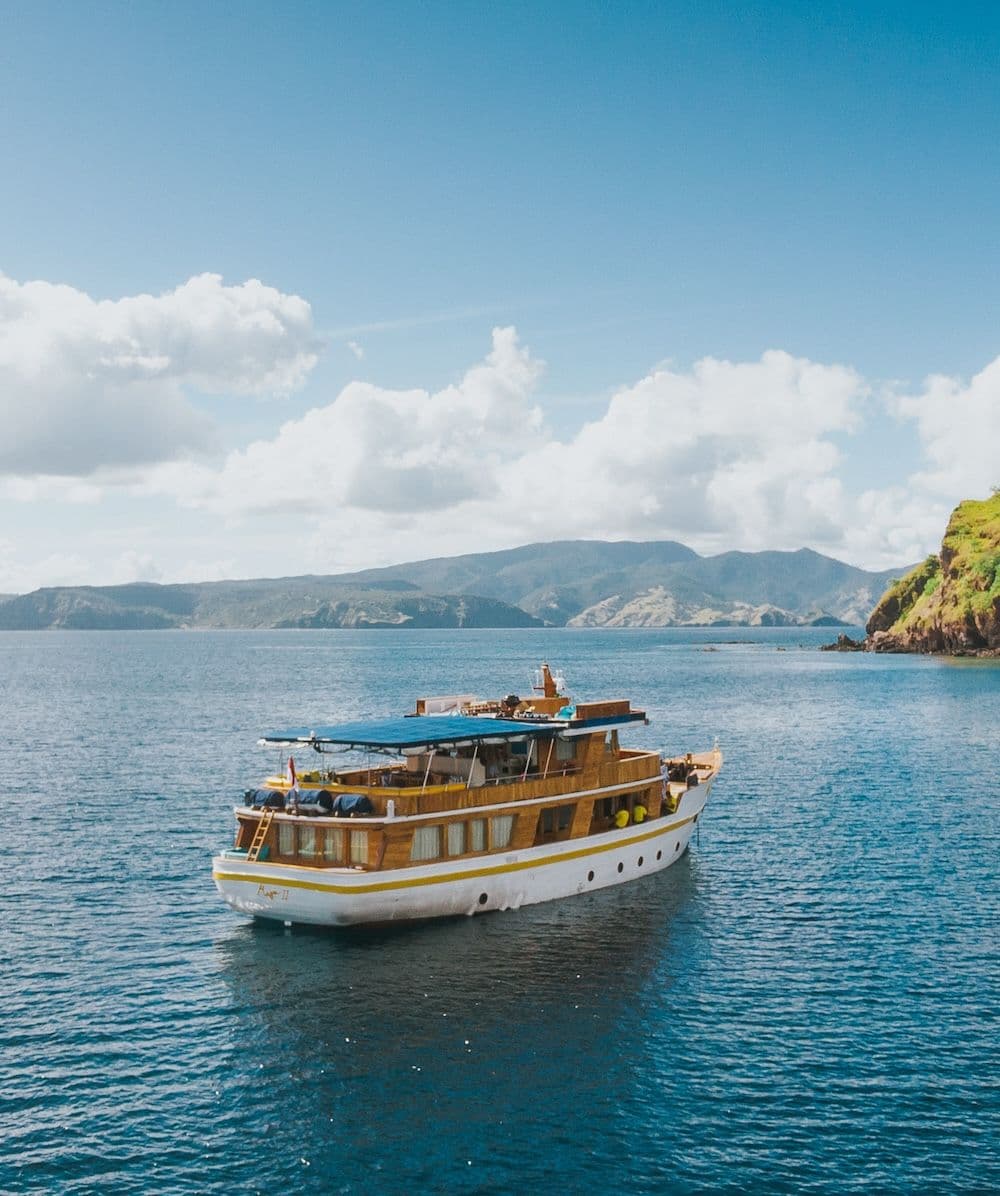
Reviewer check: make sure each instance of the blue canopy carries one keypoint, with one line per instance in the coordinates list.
(437, 730)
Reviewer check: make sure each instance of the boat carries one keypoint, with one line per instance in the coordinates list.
(463, 806)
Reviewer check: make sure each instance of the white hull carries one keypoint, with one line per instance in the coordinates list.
(505, 880)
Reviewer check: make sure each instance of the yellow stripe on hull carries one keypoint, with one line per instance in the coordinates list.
(445, 877)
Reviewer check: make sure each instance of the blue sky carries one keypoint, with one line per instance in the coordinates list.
(634, 189)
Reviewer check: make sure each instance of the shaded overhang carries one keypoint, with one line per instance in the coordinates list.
(445, 731)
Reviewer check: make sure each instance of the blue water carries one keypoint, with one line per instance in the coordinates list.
(806, 1002)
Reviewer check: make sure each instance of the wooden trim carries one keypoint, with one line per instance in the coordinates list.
(389, 842)
(610, 709)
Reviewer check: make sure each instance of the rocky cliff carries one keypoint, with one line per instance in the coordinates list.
(658, 607)
(950, 603)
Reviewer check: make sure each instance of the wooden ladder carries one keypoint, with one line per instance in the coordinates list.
(260, 834)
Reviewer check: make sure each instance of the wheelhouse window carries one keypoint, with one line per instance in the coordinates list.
(565, 749)
(556, 820)
(286, 838)
(456, 838)
(426, 843)
(359, 847)
(501, 829)
(307, 842)
(333, 843)
(477, 834)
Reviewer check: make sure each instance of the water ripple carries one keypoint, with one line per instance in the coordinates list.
(805, 1003)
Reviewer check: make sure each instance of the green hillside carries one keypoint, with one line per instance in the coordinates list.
(949, 602)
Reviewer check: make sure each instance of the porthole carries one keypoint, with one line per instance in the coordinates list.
(590, 876)
(483, 898)
(659, 855)
(640, 861)
(621, 867)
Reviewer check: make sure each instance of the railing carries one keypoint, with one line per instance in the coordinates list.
(417, 797)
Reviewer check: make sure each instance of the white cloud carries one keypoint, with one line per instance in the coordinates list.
(896, 526)
(959, 427)
(134, 565)
(725, 455)
(734, 451)
(357, 350)
(86, 384)
(387, 451)
(51, 488)
(19, 574)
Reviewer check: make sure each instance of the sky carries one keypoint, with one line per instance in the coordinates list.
(306, 288)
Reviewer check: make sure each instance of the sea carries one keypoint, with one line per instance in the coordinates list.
(807, 1002)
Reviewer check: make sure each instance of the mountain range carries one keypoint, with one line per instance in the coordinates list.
(577, 583)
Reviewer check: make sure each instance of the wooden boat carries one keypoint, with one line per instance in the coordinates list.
(472, 806)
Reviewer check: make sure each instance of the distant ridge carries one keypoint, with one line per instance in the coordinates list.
(582, 583)
(565, 582)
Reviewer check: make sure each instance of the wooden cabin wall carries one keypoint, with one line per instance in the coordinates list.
(608, 709)
(589, 757)
(540, 705)
(582, 818)
(245, 828)
(397, 846)
(639, 768)
(525, 825)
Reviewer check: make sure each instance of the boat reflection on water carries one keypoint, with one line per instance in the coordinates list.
(476, 1023)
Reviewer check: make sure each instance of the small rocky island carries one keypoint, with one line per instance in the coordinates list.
(950, 604)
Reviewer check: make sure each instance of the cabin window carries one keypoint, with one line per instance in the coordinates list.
(501, 829)
(333, 843)
(556, 819)
(477, 834)
(307, 842)
(426, 843)
(565, 749)
(359, 847)
(286, 838)
(456, 838)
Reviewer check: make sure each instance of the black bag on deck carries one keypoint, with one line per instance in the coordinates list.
(315, 803)
(266, 798)
(346, 805)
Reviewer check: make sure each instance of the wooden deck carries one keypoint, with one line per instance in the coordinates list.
(506, 814)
